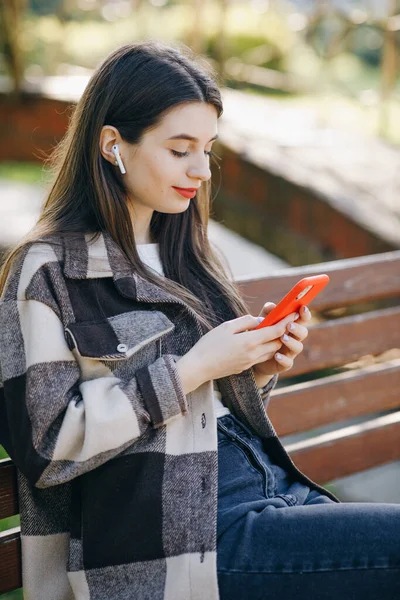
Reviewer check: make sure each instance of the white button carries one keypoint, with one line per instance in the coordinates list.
(122, 347)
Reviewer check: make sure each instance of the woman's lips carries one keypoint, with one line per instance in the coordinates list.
(186, 193)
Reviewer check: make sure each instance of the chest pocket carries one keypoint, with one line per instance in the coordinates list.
(119, 337)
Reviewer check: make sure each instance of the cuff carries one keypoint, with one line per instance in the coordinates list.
(264, 391)
(162, 391)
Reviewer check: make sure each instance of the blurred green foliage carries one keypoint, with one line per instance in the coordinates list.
(53, 37)
(50, 43)
(17, 595)
(9, 523)
(253, 49)
(48, 40)
(61, 38)
(44, 7)
(21, 171)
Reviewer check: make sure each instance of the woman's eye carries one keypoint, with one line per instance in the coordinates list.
(181, 154)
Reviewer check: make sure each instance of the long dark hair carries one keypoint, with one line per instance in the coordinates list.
(131, 90)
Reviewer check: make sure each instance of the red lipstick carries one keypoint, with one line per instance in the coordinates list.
(186, 192)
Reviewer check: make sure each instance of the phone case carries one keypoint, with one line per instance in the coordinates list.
(301, 294)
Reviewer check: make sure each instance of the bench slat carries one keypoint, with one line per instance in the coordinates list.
(344, 340)
(10, 561)
(308, 405)
(350, 282)
(8, 489)
(350, 450)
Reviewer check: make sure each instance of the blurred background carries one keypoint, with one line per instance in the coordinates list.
(309, 141)
(312, 111)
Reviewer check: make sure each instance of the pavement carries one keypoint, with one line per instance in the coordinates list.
(19, 210)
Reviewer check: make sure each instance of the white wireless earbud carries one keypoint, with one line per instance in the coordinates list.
(118, 161)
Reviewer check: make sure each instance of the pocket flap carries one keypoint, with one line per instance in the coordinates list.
(117, 337)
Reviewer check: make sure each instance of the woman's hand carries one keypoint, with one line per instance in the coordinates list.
(231, 348)
(291, 347)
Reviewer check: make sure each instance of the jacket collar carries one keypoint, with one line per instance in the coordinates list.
(84, 259)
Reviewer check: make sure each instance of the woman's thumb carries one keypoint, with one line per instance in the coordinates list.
(266, 309)
(245, 322)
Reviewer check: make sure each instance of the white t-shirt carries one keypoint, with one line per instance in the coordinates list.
(149, 254)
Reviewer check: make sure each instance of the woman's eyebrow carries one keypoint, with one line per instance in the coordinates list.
(185, 136)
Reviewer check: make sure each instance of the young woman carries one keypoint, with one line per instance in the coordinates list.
(134, 387)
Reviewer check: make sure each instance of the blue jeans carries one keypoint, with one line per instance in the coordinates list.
(279, 540)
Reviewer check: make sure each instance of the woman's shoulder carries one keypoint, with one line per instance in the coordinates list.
(49, 260)
(49, 246)
(36, 256)
(43, 250)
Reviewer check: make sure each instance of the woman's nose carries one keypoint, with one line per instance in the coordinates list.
(201, 170)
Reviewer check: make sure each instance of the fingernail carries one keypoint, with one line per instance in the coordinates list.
(297, 316)
(278, 356)
(285, 337)
(306, 310)
(259, 319)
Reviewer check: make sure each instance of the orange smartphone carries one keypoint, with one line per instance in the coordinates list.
(302, 293)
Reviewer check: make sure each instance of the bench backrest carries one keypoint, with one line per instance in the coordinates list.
(350, 366)
(10, 544)
(347, 330)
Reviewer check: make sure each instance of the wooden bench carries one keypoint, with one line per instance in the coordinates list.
(356, 318)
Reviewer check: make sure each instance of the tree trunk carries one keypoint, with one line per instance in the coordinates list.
(389, 69)
(196, 39)
(11, 13)
(221, 39)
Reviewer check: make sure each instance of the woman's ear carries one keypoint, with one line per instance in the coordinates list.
(109, 136)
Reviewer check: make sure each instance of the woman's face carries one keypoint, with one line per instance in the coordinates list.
(164, 159)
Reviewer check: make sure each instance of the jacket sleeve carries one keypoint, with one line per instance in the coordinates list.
(60, 426)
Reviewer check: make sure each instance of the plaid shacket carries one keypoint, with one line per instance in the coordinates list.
(117, 467)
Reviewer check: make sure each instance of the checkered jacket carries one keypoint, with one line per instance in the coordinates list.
(117, 467)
